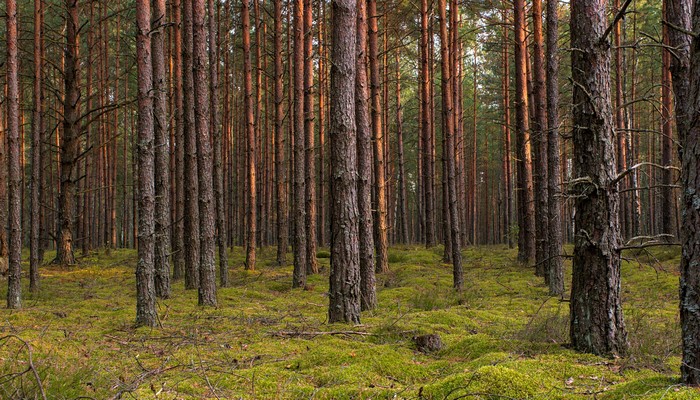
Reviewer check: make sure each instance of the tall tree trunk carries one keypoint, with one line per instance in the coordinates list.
(539, 134)
(448, 116)
(217, 137)
(191, 181)
(685, 71)
(597, 324)
(620, 133)
(70, 143)
(179, 227)
(554, 240)
(280, 143)
(402, 201)
(368, 289)
(14, 289)
(344, 291)
(309, 153)
(507, 162)
(145, 289)
(526, 204)
(300, 256)
(162, 152)
(380, 215)
(425, 132)
(250, 141)
(205, 162)
(37, 125)
(668, 203)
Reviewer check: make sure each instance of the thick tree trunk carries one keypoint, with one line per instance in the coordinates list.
(37, 125)
(280, 143)
(309, 153)
(526, 204)
(14, 289)
(191, 178)
(145, 290)
(380, 214)
(539, 134)
(300, 256)
(597, 324)
(249, 134)
(178, 224)
(368, 289)
(554, 240)
(162, 152)
(448, 116)
(344, 291)
(70, 143)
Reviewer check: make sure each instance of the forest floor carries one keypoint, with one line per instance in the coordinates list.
(504, 337)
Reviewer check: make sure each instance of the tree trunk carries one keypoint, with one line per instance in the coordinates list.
(309, 160)
(402, 202)
(280, 143)
(162, 153)
(344, 291)
(380, 215)
(14, 289)
(37, 125)
(526, 204)
(300, 256)
(507, 163)
(191, 181)
(668, 203)
(597, 324)
(70, 142)
(425, 132)
(554, 240)
(145, 290)
(368, 289)
(179, 227)
(250, 141)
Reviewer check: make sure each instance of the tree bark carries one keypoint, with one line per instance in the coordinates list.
(310, 153)
(402, 201)
(14, 289)
(426, 122)
(37, 125)
(300, 247)
(250, 141)
(145, 289)
(368, 283)
(597, 324)
(179, 227)
(344, 291)
(280, 143)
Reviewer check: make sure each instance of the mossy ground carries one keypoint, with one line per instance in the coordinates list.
(505, 337)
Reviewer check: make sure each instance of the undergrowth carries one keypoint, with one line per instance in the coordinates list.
(504, 337)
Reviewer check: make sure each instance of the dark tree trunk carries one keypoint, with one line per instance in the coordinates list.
(539, 134)
(280, 143)
(205, 162)
(162, 152)
(178, 224)
(14, 168)
(70, 143)
(217, 137)
(191, 179)
(526, 204)
(145, 290)
(249, 135)
(309, 153)
(37, 125)
(597, 324)
(300, 256)
(554, 240)
(344, 291)
(368, 289)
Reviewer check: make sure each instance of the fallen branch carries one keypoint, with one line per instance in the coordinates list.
(31, 367)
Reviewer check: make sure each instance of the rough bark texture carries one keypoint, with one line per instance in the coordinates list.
(309, 153)
(685, 70)
(280, 158)
(364, 164)
(249, 140)
(300, 256)
(145, 290)
(380, 214)
(37, 125)
(191, 179)
(526, 204)
(14, 290)
(70, 142)
(178, 224)
(425, 133)
(539, 134)
(554, 240)
(205, 161)
(344, 291)
(597, 325)
(162, 152)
